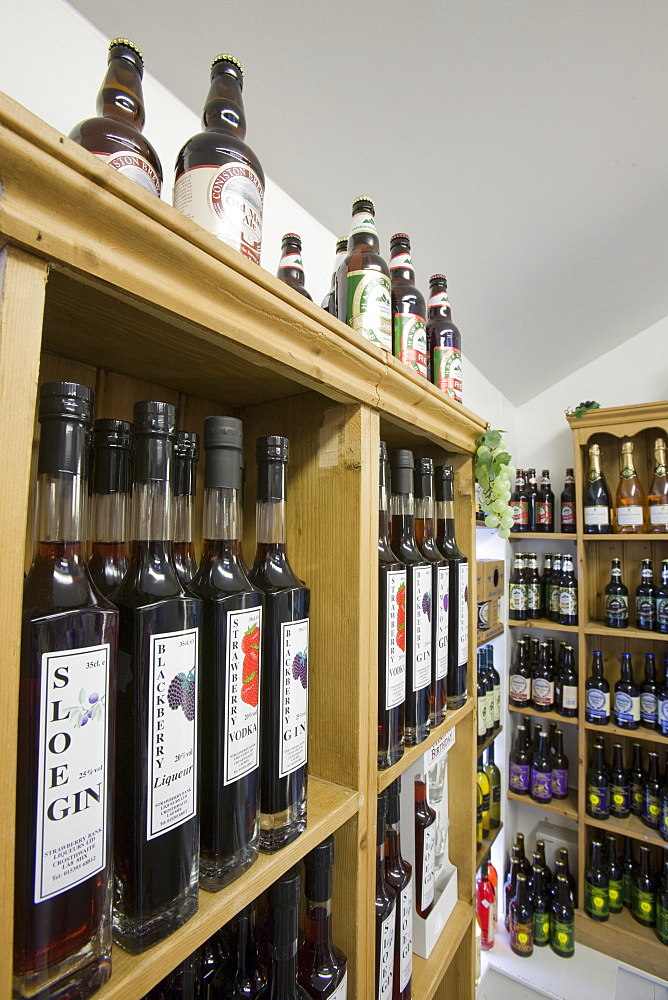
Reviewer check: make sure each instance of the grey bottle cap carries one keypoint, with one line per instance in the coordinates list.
(223, 444)
(65, 414)
(402, 465)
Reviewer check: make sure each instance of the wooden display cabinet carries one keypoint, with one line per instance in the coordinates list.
(103, 284)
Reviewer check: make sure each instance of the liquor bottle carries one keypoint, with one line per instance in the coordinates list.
(657, 495)
(662, 902)
(219, 181)
(440, 591)
(519, 780)
(110, 502)
(182, 983)
(616, 598)
(458, 622)
(553, 609)
(651, 808)
(284, 654)
(597, 693)
(541, 773)
(510, 884)
(230, 679)
(545, 581)
(399, 875)
(481, 706)
(596, 504)
(629, 868)
(385, 911)
(478, 824)
(489, 687)
(562, 921)
(494, 778)
(598, 784)
(559, 768)
(418, 599)
(597, 899)
(545, 507)
(646, 598)
(283, 912)
(567, 525)
(532, 499)
(484, 905)
(532, 587)
(630, 498)
(62, 872)
(620, 786)
(564, 869)
(648, 695)
(643, 891)
(519, 681)
(661, 610)
(241, 975)
(637, 779)
(425, 848)
(519, 504)
(329, 301)
(566, 686)
(542, 683)
(486, 789)
(662, 700)
(496, 682)
(568, 593)
(540, 901)
(291, 266)
(391, 634)
(444, 341)
(408, 308)
(614, 869)
(323, 968)
(212, 958)
(517, 591)
(627, 697)
(363, 290)
(521, 920)
(115, 135)
(184, 486)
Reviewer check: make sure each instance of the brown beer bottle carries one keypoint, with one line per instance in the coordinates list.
(219, 181)
(363, 291)
(444, 341)
(115, 135)
(291, 266)
(408, 309)
(329, 301)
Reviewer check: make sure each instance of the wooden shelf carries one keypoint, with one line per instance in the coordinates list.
(647, 536)
(647, 735)
(489, 634)
(544, 623)
(411, 754)
(540, 536)
(598, 628)
(563, 807)
(632, 826)
(428, 973)
(481, 747)
(625, 940)
(486, 846)
(548, 716)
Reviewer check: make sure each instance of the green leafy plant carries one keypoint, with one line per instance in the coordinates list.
(493, 471)
(582, 408)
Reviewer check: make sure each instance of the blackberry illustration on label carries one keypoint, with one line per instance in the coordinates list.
(442, 608)
(242, 715)
(422, 577)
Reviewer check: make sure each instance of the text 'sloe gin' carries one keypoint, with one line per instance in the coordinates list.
(458, 634)
(391, 634)
(156, 827)
(285, 668)
(386, 902)
(230, 677)
(62, 888)
(110, 503)
(323, 968)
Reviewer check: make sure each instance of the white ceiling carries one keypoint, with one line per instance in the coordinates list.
(521, 143)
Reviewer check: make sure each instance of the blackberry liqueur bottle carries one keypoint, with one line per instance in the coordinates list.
(458, 609)
(323, 969)
(418, 599)
(385, 911)
(284, 651)
(230, 677)
(440, 587)
(62, 872)
(184, 486)
(425, 849)
(240, 977)
(597, 693)
(408, 308)
(219, 181)
(110, 501)
(329, 301)
(444, 341)
(156, 825)
(399, 874)
(391, 634)
(291, 265)
(283, 916)
(363, 290)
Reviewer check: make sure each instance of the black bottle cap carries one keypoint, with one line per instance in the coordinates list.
(155, 429)
(318, 865)
(381, 817)
(283, 906)
(424, 478)
(223, 444)
(186, 454)
(65, 414)
(402, 466)
(382, 469)
(112, 444)
(443, 480)
(272, 457)
(393, 802)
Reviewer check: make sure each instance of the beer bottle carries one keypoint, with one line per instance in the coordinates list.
(568, 593)
(532, 584)
(525, 866)
(541, 773)
(662, 902)
(540, 900)
(494, 778)
(542, 683)
(545, 505)
(616, 599)
(630, 498)
(637, 779)
(657, 495)
(519, 682)
(564, 869)
(629, 868)
(329, 301)
(597, 693)
(519, 781)
(363, 291)
(651, 808)
(597, 886)
(568, 504)
(627, 697)
(596, 504)
(648, 695)
(532, 503)
(408, 308)
(115, 135)
(661, 612)
(643, 891)
(620, 786)
(510, 884)
(219, 181)
(444, 341)
(291, 267)
(545, 582)
(646, 598)
(559, 768)
(521, 920)
(481, 701)
(542, 861)
(496, 681)
(562, 921)
(519, 504)
(517, 594)
(553, 610)
(662, 701)
(614, 869)
(566, 686)
(598, 784)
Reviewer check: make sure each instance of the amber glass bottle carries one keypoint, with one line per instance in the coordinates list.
(444, 341)
(363, 290)
(291, 266)
(408, 308)
(630, 498)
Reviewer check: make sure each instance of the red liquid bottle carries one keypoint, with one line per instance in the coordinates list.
(156, 825)
(485, 906)
(385, 911)
(391, 635)
(184, 487)
(110, 503)
(440, 587)
(284, 651)
(399, 874)
(241, 976)
(62, 892)
(425, 849)
(230, 676)
(323, 968)
(183, 983)
(283, 911)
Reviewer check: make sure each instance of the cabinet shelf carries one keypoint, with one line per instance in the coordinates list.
(411, 754)
(563, 807)
(646, 735)
(646, 536)
(542, 536)
(481, 747)
(486, 846)
(488, 635)
(625, 940)
(544, 623)
(548, 716)
(428, 973)
(598, 628)
(632, 826)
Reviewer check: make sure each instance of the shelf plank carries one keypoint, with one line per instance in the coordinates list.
(544, 623)
(481, 747)
(329, 807)
(486, 846)
(411, 754)
(542, 536)
(625, 940)
(491, 633)
(428, 973)
(648, 735)
(548, 716)
(598, 628)
(646, 536)
(632, 826)
(562, 807)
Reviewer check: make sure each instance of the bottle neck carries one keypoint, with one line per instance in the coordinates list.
(270, 522)
(121, 96)
(617, 762)
(318, 923)
(558, 744)
(644, 862)
(224, 108)
(616, 574)
(424, 521)
(438, 306)
(597, 666)
(109, 517)
(61, 505)
(151, 511)
(222, 514)
(445, 513)
(363, 232)
(628, 469)
(594, 466)
(599, 759)
(652, 767)
(596, 856)
(182, 507)
(660, 460)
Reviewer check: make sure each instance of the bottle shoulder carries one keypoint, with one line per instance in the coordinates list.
(363, 258)
(407, 299)
(111, 135)
(213, 148)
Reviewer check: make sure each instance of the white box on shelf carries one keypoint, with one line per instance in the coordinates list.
(555, 837)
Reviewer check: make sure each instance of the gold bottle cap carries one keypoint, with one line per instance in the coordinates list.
(225, 57)
(594, 449)
(659, 443)
(128, 44)
(364, 198)
(627, 446)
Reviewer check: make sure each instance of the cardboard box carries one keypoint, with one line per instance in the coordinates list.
(490, 583)
(493, 578)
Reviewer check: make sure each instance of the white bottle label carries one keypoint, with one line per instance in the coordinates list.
(658, 514)
(341, 991)
(629, 516)
(428, 865)
(242, 693)
(542, 691)
(72, 770)
(490, 708)
(395, 639)
(520, 687)
(437, 300)
(441, 611)
(518, 597)
(463, 653)
(292, 260)
(401, 260)
(363, 222)
(386, 964)
(569, 697)
(227, 202)
(135, 167)
(597, 515)
(497, 703)
(294, 696)
(482, 715)
(405, 911)
(172, 730)
(422, 627)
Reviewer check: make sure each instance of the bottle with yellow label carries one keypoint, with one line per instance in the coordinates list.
(521, 920)
(597, 894)
(485, 788)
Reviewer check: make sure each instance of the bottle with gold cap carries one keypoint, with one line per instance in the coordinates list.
(115, 134)
(408, 308)
(219, 181)
(444, 341)
(329, 301)
(630, 498)
(291, 267)
(363, 290)
(657, 495)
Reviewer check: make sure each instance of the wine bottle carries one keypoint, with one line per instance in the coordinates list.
(646, 598)
(517, 591)
(620, 786)
(519, 681)
(440, 588)
(568, 593)
(230, 682)
(630, 498)
(182, 983)
(519, 504)
(545, 507)
(541, 773)
(597, 899)
(385, 911)
(494, 778)
(598, 785)
(486, 789)
(458, 627)
(110, 502)
(156, 822)
(657, 495)
(484, 900)
(519, 780)
(643, 891)
(391, 634)
(488, 681)
(284, 652)
(629, 868)
(283, 918)
(562, 921)
(496, 684)
(566, 686)
(542, 683)
(568, 504)
(521, 920)
(559, 768)
(597, 693)
(596, 502)
(399, 874)
(323, 968)
(511, 883)
(661, 594)
(627, 697)
(614, 869)
(540, 902)
(532, 587)
(648, 695)
(616, 599)
(184, 487)
(478, 820)
(62, 870)
(553, 608)
(662, 902)
(242, 975)
(481, 706)
(651, 808)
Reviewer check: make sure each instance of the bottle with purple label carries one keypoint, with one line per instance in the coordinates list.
(520, 764)
(627, 697)
(559, 768)
(541, 773)
(620, 786)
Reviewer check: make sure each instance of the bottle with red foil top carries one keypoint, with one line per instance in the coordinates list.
(409, 335)
(219, 180)
(485, 906)
(545, 505)
(568, 504)
(291, 267)
(444, 340)
(115, 135)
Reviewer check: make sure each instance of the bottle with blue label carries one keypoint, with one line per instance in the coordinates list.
(661, 598)
(627, 697)
(597, 693)
(646, 598)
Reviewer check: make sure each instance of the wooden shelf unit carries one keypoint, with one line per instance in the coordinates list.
(624, 939)
(545, 624)
(492, 633)
(541, 536)
(481, 747)
(486, 846)
(563, 807)
(548, 716)
(103, 284)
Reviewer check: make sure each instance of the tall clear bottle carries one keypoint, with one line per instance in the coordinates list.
(232, 629)
(323, 968)
(596, 504)
(63, 850)
(156, 822)
(385, 911)
(329, 301)
(291, 266)
(630, 497)
(408, 308)
(458, 606)
(440, 587)
(283, 913)
(284, 651)
(363, 290)
(391, 633)
(110, 503)
(444, 341)
(657, 495)
(399, 874)
(184, 487)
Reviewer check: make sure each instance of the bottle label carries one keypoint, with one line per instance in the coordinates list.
(615, 895)
(562, 937)
(645, 611)
(569, 696)
(369, 310)
(663, 818)
(568, 513)
(616, 609)
(541, 784)
(490, 708)
(294, 696)
(541, 928)
(410, 341)
(497, 702)
(442, 606)
(242, 691)
(463, 648)
(521, 937)
(172, 730)
(520, 512)
(386, 964)
(422, 627)
(651, 808)
(135, 167)
(627, 709)
(520, 687)
(544, 512)
(447, 373)
(293, 260)
(401, 260)
(620, 800)
(555, 599)
(598, 801)
(598, 515)
(405, 911)
(226, 201)
(568, 601)
(662, 922)
(428, 865)
(438, 300)
(533, 596)
(662, 614)
(643, 906)
(363, 222)
(636, 797)
(518, 597)
(395, 640)
(72, 771)
(648, 708)
(658, 514)
(663, 716)
(482, 715)
(559, 782)
(542, 692)
(629, 516)
(597, 901)
(341, 991)
(598, 704)
(520, 777)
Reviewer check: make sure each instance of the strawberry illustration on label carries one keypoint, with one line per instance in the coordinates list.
(401, 617)
(250, 674)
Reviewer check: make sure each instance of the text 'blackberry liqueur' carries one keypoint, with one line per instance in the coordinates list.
(391, 633)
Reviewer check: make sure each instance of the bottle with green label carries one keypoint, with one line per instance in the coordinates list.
(597, 891)
(614, 869)
(662, 902)
(620, 787)
(444, 341)
(562, 921)
(363, 289)
(643, 891)
(521, 920)
(540, 900)
(409, 332)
